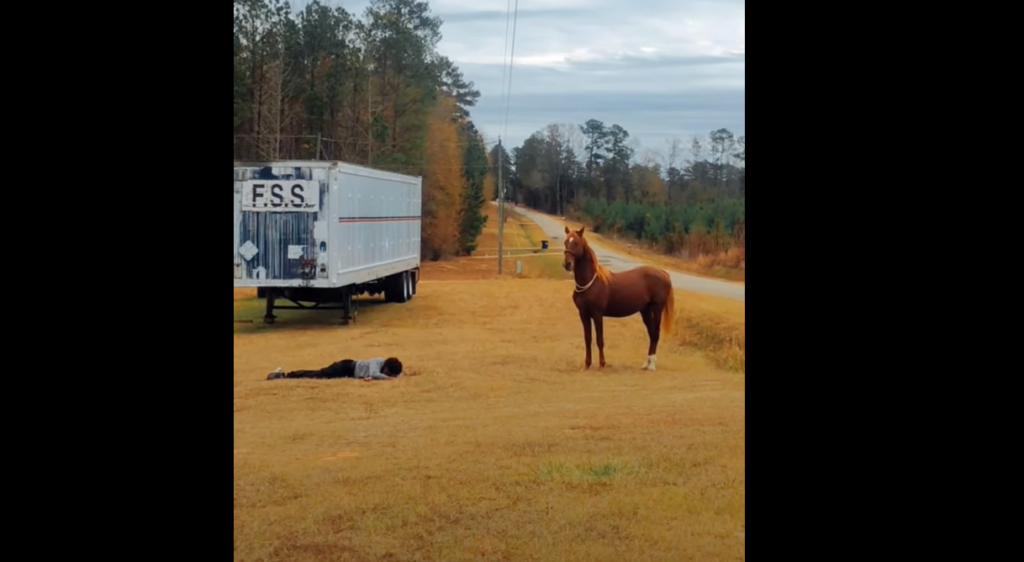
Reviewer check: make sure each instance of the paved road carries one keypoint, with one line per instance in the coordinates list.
(619, 262)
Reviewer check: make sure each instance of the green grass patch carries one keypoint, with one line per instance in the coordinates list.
(591, 472)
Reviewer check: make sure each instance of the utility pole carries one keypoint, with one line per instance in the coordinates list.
(369, 119)
(318, 145)
(501, 208)
(558, 192)
(558, 183)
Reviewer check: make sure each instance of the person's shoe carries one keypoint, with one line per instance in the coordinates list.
(277, 374)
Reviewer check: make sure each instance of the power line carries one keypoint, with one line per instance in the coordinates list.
(507, 93)
(499, 187)
(504, 52)
(511, 63)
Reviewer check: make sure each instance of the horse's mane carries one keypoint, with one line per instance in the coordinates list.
(602, 272)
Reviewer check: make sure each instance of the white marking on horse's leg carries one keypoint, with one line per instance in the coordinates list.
(652, 359)
(646, 362)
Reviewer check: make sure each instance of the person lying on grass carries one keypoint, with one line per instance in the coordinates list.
(373, 369)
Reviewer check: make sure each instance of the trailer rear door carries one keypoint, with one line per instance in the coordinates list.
(277, 217)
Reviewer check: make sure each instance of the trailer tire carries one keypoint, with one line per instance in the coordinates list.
(410, 287)
(404, 276)
(398, 288)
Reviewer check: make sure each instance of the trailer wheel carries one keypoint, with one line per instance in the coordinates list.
(410, 286)
(397, 289)
(404, 283)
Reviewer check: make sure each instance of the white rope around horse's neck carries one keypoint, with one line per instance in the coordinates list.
(581, 288)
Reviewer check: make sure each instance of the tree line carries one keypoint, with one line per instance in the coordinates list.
(324, 83)
(598, 174)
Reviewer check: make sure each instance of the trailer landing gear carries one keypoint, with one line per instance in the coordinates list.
(397, 288)
(269, 317)
(338, 299)
(349, 309)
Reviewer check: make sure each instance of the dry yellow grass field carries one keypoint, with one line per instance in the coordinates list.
(493, 445)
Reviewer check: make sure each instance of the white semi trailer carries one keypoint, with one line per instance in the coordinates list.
(322, 233)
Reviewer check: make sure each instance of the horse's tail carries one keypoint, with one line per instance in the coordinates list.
(668, 315)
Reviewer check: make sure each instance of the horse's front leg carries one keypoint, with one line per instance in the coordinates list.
(585, 318)
(599, 327)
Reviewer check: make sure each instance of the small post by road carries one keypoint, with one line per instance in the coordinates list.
(501, 209)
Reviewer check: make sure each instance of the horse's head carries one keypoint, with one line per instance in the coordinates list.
(574, 245)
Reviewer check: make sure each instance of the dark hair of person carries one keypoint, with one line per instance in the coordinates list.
(394, 366)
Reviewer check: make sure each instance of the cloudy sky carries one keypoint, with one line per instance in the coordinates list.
(658, 68)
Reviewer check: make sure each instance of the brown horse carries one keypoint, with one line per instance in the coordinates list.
(600, 293)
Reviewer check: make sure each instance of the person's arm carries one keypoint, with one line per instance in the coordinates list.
(375, 366)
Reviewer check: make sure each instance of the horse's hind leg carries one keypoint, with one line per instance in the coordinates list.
(653, 321)
(647, 313)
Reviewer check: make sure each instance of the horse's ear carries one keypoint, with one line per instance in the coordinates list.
(567, 230)
(580, 231)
